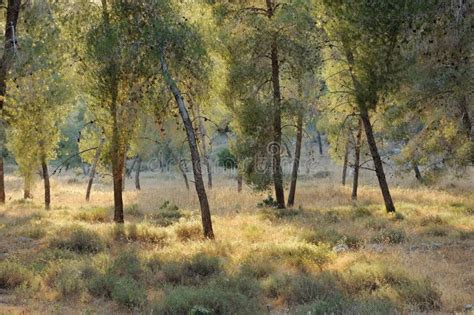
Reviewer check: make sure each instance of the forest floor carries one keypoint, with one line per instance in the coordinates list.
(327, 254)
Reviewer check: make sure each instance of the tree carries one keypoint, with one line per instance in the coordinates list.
(366, 39)
(116, 72)
(179, 51)
(9, 50)
(39, 96)
(265, 40)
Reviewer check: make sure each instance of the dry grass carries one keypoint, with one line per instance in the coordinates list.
(266, 246)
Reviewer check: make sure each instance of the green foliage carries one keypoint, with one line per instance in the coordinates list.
(167, 214)
(301, 288)
(390, 236)
(226, 159)
(191, 270)
(188, 231)
(14, 275)
(79, 240)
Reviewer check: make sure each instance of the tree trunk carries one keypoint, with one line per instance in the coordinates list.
(137, 173)
(239, 183)
(181, 168)
(27, 188)
(389, 206)
(418, 175)
(93, 169)
(203, 137)
(124, 173)
(129, 171)
(47, 187)
(358, 145)
(10, 44)
(320, 142)
(2, 176)
(296, 161)
(118, 161)
(275, 147)
(195, 158)
(346, 159)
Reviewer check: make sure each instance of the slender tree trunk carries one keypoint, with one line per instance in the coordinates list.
(276, 145)
(124, 173)
(320, 142)
(27, 188)
(358, 145)
(118, 161)
(203, 137)
(296, 162)
(466, 120)
(239, 183)
(390, 207)
(181, 168)
(93, 169)
(137, 172)
(346, 159)
(195, 158)
(418, 175)
(47, 187)
(10, 44)
(2, 176)
(130, 170)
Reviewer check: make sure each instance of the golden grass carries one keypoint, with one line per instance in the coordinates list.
(243, 232)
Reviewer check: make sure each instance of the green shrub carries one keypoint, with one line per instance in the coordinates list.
(126, 264)
(332, 216)
(435, 230)
(208, 298)
(79, 240)
(167, 214)
(188, 231)
(361, 212)
(36, 232)
(13, 275)
(269, 202)
(127, 291)
(375, 224)
(133, 210)
(275, 213)
(94, 215)
(323, 236)
(390, 236)
(146, 233)
(257, 267)
(421, 295)
(302, 288)
(191, 270)
(67, 280)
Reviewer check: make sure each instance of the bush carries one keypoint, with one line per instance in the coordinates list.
(302, 288)
(122, 281)
(421, 296)
(323, 236)
(94, 215)
(332, 216)
(126, 264)
(431, 220)
(191, 270)
(390, 236)
(269, 202)
(275, 213)
(209, 299)
(36, 232)
(127, 291)
(79, 240)
(361, 212)
(375, 224)
(67, 280)
(13, 275)
(257, 267)
(167, 214)
(133, 210)
(187, 231)
(146, 233)
(301, 254)
(435, 230)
